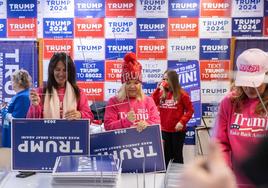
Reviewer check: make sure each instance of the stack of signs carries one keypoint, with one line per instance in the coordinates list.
(173, 177)
(85, 170)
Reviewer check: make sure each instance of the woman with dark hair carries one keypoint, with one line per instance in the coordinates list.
(19, 104)
(61, 97)
(176, 109)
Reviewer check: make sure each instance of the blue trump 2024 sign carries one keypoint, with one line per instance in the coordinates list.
(132, 147)
(37, 143)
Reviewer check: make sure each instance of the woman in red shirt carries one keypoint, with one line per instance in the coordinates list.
(176, 110)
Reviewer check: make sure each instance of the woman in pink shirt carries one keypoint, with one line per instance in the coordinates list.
(242, 117)
(130, 107)
(61, 97)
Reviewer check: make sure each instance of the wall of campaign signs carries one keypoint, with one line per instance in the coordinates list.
(191, 36)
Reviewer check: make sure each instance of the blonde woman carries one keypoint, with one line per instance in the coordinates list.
(130, 107)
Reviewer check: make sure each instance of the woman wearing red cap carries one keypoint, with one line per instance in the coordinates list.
(176, 110)
(130, 107)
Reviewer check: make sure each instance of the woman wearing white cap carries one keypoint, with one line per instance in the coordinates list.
(242, 120)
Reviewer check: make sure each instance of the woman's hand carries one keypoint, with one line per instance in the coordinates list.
(72, 114)
(209, 172)
(131, 116)
(141, 125)
(34, 97)
(178, 127)
(3, 105)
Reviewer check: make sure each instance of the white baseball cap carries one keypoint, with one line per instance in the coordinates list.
(252, 66)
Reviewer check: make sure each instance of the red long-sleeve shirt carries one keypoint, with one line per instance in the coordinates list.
(172, 112)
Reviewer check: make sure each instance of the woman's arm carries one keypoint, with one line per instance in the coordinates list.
(154, 117)
(111, 117)
(83, 107)
(188, 109)
(220, 132)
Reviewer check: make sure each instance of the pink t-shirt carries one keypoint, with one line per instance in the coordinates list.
(82, 105)
(116, 112)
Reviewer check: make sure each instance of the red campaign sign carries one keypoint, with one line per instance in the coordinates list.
(22, 27)
(214, 70)
(55, 45)
(152, 49)
(221, 8)
(265, 29)
(93, 90)
(119, 8)
(113, 70)
(183, 27)
(89, 27)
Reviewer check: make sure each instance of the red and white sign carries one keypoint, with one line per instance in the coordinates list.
(119, 8)
(51, 46)
(152, 49)
(214, 70)
(89, 27)
(220, 8)
(93, 90)
(22, 27)
(113, 70)
(183, 27)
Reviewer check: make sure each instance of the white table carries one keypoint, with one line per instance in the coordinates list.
(43, 180)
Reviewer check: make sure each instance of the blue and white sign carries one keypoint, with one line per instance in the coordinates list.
(215, 49)
(183, 49)
(89, 70)
(58, 8)
(117, 48)
(247, 26)
(58, 27)
(92, 8)
(183, 8)
(120, 28)
(37, 143)
(152, 27)
(15, 55)
(215, 27)
(88, 165)
(196, 118)
(39, 27)
(189, 78)
(3, 9)
(209, 109)
(242, 8)
(152, 70)
(189, 74)
(3, 28)
(265, 7)
(22, 9)
(89, 49)
(190, 136)
(132, 147)
(152, 8)
(148, 88)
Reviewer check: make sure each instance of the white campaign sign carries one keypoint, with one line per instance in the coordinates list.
(183, 49)
(89, 49)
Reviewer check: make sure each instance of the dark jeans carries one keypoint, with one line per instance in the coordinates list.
(173, 145)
